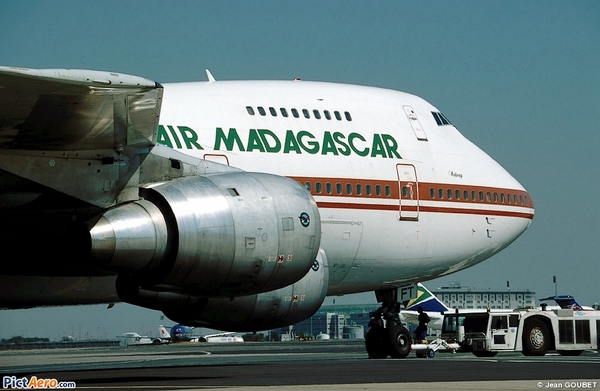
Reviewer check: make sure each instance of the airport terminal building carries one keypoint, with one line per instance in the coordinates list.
(457, 296)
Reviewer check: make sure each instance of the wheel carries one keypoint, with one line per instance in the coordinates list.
(484, 354)
(536, 338)
(430, 353)
(570, 352)
(377, 342)
(399, 342)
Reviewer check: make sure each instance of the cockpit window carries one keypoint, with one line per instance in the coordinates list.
(440, 119)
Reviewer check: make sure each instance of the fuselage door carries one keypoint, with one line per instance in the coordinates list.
(409, 191)
(415, 123)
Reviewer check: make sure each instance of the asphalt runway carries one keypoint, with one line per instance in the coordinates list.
(324, 365)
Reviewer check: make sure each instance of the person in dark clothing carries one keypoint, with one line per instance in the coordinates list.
(421, 331)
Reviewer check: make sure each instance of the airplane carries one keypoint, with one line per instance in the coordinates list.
(221, 338)
(430, 304)
(238, 205)
(567, 302)
(133, 338)
(181, 333)
(433, 307)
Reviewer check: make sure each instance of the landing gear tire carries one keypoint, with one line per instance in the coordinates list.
(377, 342)
(536, 338)
(399, 341)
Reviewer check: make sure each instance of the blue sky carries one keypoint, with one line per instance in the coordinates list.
(518, 78)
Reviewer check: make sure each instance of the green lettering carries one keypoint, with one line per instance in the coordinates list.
(377, 146)
(254, 142)
(265, 140)
(328, 145)
(162, 137)
(174, 135)
(189, 137)
(391, 146)
(351, 138)
(344, 149)
(314, 145)
(229, 140)
(291, 144)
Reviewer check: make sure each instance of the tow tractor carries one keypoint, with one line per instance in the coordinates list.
(530, 331)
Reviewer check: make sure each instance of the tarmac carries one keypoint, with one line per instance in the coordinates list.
(295, 366)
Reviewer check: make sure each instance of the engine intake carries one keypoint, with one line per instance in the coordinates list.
(218, 235)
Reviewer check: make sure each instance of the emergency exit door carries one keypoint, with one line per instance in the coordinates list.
(409, 192)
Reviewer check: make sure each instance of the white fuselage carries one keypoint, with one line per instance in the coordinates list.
(403, 195)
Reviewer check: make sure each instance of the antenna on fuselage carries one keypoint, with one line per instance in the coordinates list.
(210, 76)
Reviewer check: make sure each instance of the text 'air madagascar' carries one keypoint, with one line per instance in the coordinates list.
(264, 140)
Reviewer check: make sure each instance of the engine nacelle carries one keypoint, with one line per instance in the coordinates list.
(218, 235)
(279, 308)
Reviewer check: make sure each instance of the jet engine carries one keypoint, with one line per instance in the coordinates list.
(220, 235)
(263, 311)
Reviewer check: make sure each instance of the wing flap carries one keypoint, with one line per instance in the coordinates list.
(63, 109)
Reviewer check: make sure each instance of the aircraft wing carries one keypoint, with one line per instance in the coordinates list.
(56, 122)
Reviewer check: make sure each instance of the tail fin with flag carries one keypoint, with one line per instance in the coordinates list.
(426, 300)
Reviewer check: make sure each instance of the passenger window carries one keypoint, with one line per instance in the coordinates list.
(473, 198)
(502, 198)
(318, 187)
(466, 195)
(250, 110)
(348, 188)
(488, 197)
(338, 116)
(378, 190)
(327, 115)
(441, 194)
(307, 185)
(283, 112)
(521, 199)
(526, 200)
(480, 196)
(495, 197)
(338, 188)
(388, 191)
(295, 113)
(358, 189)
(457, 194)
(328, 187)
(449, 193)
(369, 190)
(261, 111)
(273, 111)
(404, 192)
(432, 193)
(317, 114)
(348, 117)
(306, 113)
